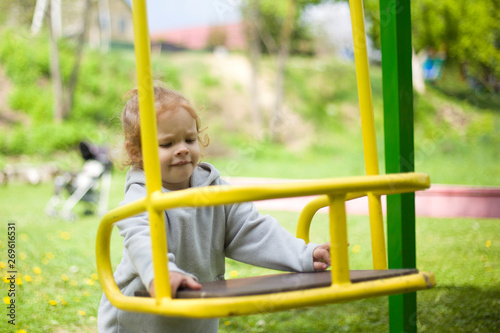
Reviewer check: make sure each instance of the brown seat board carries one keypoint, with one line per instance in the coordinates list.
(276, 283)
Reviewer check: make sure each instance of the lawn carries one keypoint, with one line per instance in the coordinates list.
(57, 288)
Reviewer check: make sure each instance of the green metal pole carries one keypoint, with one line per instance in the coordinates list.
(395, 25)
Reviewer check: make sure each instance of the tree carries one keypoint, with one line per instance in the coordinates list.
(467, 31)
(281, 32)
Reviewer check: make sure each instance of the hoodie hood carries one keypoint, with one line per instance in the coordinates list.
(204, 174)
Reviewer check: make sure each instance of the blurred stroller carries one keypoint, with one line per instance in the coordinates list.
(90, 186)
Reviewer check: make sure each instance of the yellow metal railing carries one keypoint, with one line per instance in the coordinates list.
(333, 193)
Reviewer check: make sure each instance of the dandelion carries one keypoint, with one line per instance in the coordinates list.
(37, 270)
(65, 235)
(19, 281)
(53, 302)
(22, 256)
(2, 264)
(227, 323)
(94, 276)
(86, 293)
(73, 283)
(234, 274)
(89, 282)
(488, 243)
(62, 300)
(6, 280)
(49, 255)
(24, 237)
(64, 277)
(21, 331)
(28, 278)
(6, 300)
(356, 248)
(81, 313)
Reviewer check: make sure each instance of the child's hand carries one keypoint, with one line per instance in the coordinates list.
(321, 257)
(177, 280)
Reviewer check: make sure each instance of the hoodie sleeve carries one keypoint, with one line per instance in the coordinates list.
(137, 240)
(261, 241)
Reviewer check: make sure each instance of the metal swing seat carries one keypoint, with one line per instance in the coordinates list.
(273, 292)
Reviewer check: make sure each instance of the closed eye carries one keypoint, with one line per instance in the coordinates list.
(166, 145)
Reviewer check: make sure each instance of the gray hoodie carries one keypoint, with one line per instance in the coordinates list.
(199, 239)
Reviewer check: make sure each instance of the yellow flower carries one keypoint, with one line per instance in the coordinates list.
(86, 293)
(62, 300)
(64, 277)
(6, 280)
(356, 248)
(19, 281)
(27, 278)
(488, 243)
(2, 264)
(6, 300)
(21, 331)
(81, 313)
(52, 302)
(37, 270)
(227, 323)
(22, 255)
(73, 283)
(234, 274)
(65, 235)
(49, 255)
(89, 282)
(24, 237)
(94, 276)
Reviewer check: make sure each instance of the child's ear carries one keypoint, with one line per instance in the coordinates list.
(134, 152)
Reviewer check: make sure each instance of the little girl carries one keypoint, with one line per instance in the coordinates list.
(199, 239)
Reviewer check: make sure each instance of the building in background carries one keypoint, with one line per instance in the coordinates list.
(196, 24)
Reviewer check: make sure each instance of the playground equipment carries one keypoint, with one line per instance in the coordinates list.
(90, 185)
(282, 291)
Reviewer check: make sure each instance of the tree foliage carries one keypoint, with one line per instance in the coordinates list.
(467, 31)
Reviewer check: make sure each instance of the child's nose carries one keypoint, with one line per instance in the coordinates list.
(181, 150)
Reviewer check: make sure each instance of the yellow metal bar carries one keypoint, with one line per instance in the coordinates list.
(225, 194)
(306, 216)
(379, 252)
(103, 242)
(364, 87)
(307, 213)
(149, 140)
(368, 129)
(338, 240)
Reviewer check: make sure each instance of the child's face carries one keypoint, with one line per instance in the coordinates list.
(178, 148)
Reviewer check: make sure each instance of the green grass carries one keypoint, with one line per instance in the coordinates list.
(463, 253)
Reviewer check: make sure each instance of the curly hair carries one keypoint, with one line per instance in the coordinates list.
(165, 100)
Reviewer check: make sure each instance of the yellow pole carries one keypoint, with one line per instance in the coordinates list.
(149, 139)
(368, 130)
(338, 240)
